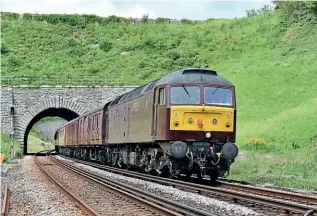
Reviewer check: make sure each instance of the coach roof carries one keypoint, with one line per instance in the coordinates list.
(86, 114)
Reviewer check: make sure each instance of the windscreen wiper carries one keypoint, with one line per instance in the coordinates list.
(185, 89)
(215, 90)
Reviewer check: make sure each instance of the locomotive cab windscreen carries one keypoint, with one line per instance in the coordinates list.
(194, 95)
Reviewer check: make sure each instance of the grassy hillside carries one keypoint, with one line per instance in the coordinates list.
(271, 60)
(5, 146)
(36, 140)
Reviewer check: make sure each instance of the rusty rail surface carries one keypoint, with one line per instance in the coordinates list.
(264, 196)
(86, 208)
(5, 202)
(167, 206)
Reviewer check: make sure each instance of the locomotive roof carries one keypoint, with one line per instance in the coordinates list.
(187, 75)
(190, 75)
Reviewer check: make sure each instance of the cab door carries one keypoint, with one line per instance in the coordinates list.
(160, 114)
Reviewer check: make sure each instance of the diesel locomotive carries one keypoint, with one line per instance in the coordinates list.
(181, 123)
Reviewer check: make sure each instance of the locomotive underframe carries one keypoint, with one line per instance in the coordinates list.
(156, 158)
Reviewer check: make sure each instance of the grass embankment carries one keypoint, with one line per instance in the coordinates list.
(270, 58)
(5, 146)
(36, 142)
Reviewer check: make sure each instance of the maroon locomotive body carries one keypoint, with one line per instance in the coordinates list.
(182, 123)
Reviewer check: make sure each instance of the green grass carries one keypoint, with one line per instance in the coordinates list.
(271, 59)
(5, 146)
(35, 140)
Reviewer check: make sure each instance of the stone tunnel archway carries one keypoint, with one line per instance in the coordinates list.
(65, 108)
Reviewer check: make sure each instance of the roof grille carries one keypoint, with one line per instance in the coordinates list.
(199, 71)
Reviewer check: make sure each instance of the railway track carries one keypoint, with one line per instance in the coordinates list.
(133, 201)
(286, 202)
(306, 199)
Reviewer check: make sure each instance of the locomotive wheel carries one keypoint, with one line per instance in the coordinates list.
(189, 175)
(213, 175)
(165, 172)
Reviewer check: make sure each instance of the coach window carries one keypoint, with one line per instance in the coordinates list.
(161, 96)
(97, 122)
(94, 122)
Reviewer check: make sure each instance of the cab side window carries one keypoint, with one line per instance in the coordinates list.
(161, 100)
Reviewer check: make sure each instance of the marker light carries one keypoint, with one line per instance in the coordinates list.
(208, 135)
(228, 115)
(200, 122)
(190, 120)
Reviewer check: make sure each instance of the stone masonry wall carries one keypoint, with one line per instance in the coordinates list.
(28, 101)
(6, 101)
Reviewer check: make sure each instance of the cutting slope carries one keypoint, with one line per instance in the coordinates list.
(271, 60)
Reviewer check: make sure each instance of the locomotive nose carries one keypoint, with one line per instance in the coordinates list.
(229, 151)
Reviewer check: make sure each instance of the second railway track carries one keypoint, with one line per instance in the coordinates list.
(99, 196)
(286, 202)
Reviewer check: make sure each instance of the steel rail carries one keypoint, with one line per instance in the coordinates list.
(5, 202)
(271, 192)
(207, 190)
(160, 201)
(85, 207)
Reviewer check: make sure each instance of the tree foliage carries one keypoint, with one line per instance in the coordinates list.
(254, 12)
(145, 18)
(162, 20)
(186, 21)
(298, 9)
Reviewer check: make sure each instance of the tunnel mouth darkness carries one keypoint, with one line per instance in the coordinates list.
(64, 113)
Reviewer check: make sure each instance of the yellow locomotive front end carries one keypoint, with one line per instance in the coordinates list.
(202, 118)
(202, 127)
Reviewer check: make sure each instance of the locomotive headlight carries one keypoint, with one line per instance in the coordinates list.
(176, 123)
(214, 121)
(190, 120)
(228, 115)
(208, 135)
